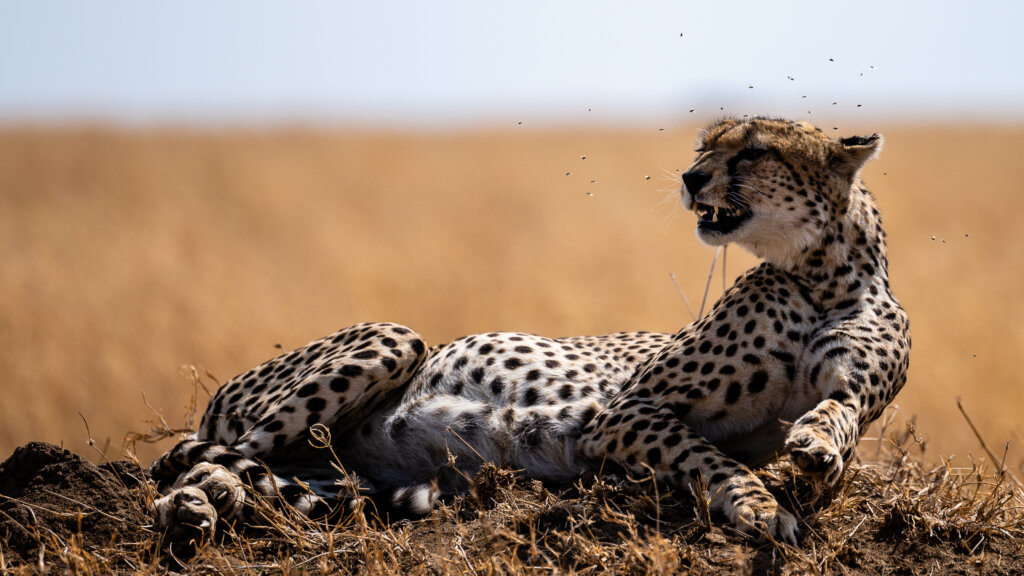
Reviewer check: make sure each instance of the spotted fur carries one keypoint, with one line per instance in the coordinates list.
(797, 357)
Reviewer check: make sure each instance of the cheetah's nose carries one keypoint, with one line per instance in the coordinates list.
(695, 180)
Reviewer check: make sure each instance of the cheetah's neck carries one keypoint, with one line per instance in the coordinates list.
(850, 256)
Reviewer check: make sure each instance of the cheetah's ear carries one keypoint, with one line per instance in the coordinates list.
(852, 153)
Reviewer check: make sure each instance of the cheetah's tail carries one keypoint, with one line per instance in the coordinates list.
(412, 501)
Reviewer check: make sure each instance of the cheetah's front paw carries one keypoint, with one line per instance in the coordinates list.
(754, 511)
(815, 454)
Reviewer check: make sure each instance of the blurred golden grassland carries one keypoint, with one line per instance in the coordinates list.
(125, 254)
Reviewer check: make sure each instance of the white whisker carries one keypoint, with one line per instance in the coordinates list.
(745, 183)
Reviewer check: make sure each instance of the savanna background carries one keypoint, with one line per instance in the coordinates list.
(127, 254)
(202, 185)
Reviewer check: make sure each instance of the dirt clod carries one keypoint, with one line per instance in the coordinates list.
(52, 498)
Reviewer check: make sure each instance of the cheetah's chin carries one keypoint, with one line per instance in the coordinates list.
(719, 219)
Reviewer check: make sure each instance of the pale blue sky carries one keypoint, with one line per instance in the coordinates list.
(540, 62)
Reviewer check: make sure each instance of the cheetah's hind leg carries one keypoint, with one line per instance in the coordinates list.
(335, 381)
(266, 413)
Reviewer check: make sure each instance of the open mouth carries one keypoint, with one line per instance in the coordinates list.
(718, 218)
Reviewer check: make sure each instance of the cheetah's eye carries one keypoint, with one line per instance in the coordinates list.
(750, 154)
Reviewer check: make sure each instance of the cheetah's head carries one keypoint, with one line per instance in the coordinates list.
(771, 185)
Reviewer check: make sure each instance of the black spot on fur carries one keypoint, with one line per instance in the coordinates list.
(733, 393)
(530, 396)
(308, 390)
(316, 404)
(351, 370)
(757, 382)
(477, 375)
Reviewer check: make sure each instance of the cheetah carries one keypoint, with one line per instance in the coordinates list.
(798, 356)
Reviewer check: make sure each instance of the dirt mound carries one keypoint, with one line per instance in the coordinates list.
(50, 497)
(892, 517)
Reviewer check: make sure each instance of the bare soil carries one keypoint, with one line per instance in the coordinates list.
(51, 498)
